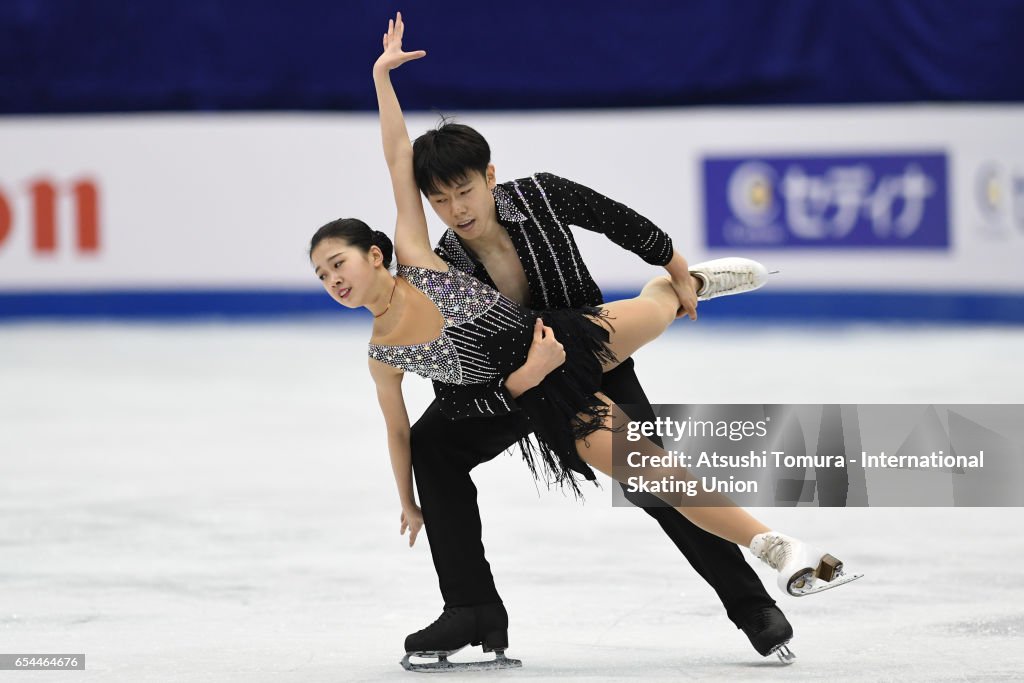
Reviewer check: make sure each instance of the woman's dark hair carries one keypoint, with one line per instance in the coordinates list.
(447, 155)
(355, 233)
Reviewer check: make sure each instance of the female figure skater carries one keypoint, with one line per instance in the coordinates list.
(445, 325)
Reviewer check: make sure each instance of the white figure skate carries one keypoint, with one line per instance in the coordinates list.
(802, 569)
(725, 276)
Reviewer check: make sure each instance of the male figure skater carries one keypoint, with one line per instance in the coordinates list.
(516, 237)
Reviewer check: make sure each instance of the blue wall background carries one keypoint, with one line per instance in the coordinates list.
(216, 55)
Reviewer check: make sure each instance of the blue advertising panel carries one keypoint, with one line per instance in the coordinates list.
(836, 201)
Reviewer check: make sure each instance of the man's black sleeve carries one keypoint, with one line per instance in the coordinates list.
(578, 205)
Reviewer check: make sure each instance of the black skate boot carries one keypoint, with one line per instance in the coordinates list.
(769, 632)
(457, 627)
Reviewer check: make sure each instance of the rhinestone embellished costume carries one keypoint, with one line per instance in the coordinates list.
(486, 336)
(537, 213)
(483, 332)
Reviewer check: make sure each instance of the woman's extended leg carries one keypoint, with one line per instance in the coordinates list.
(802, 569)
(632, 323)
(718, 514)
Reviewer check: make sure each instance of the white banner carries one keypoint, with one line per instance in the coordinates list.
(229, 201)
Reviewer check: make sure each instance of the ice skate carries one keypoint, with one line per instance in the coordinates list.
(802, 569)
(725, 276)
(457, 627)
(769, 632)
(442, 663)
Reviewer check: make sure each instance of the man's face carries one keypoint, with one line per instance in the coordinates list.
(466, 206)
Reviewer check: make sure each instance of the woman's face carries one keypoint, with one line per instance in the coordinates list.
(346, 272)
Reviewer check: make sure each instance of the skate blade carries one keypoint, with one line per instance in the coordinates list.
(808, 584)
(782, 651)
(443, 665)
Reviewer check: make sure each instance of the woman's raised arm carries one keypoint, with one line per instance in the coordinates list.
(412, 243)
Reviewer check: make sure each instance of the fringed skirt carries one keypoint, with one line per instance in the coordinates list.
(563, 407)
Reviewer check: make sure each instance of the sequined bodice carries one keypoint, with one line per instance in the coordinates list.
(484, 334)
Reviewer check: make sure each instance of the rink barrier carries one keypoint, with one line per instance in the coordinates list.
(921, 307)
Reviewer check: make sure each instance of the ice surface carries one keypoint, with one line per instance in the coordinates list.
(213, 502)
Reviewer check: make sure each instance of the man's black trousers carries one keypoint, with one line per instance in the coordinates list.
(443, 453)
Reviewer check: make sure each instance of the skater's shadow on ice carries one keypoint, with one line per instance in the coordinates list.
(766, 663)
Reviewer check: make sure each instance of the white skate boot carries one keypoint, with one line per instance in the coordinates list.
(724, 276)
(802, 569)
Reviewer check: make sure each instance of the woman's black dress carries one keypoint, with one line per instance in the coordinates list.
(486, 335)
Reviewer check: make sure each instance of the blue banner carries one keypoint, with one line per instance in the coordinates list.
(261, 55)
(836, 201)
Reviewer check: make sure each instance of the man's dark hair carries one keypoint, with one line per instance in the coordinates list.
(447, 155)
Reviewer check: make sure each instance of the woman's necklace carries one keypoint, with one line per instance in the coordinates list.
(395, 286)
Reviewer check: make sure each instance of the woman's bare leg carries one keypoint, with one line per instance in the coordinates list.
(632, 323)
(720, 516)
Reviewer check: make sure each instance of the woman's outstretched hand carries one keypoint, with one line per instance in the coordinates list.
(393, 56)
(412, 519)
